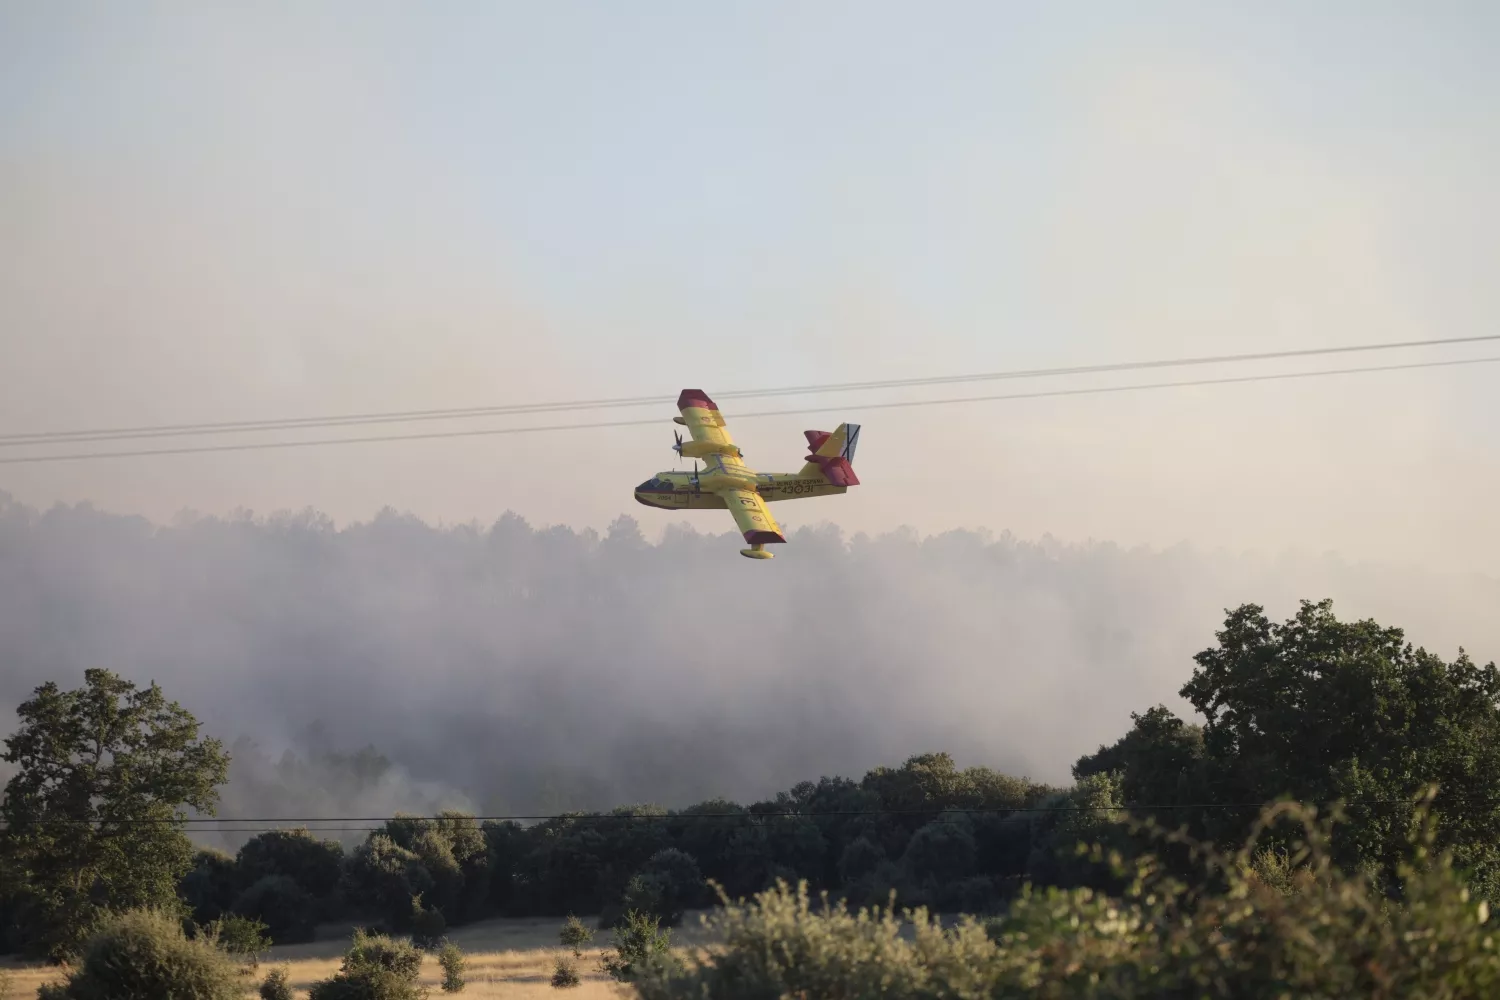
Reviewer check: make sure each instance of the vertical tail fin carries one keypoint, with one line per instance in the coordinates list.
(833, 454)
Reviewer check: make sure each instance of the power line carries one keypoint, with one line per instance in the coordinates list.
(405, 416)
(254, 825)
(597, 425)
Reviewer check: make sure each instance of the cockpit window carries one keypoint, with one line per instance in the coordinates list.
(656, 484)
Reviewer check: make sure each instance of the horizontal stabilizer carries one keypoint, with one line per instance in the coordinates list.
(833, 454)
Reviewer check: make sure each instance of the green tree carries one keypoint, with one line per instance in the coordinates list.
(243, 937)
(315, 865)
(282, 906)
(382, 877)
(211, 886)
(641, 946)
(575, 935)
(452, 960)
(94, 814)
(1324, 710)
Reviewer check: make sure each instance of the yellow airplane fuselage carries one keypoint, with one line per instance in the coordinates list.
(675, 490)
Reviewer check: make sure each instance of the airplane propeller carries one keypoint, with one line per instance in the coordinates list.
(678, 446)
(694, 480)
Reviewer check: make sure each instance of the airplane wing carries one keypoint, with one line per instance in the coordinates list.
(752, 516)
(702, 417)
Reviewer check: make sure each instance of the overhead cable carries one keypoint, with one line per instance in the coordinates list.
(407, 416)
(597, 425)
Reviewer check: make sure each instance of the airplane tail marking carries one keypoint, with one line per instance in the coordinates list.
(832, 454)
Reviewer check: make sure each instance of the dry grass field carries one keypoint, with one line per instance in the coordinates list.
(509, 958)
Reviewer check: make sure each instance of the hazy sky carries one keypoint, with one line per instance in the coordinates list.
(213, 211)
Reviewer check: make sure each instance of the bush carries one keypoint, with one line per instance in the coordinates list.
(1305, 930)
(275, 986)
(640, 947)
(282, 906)
(575, 935)
(375, 967)
(427, 925)
(243, 937)
(565, 974)
(144, 953)
(451, 958)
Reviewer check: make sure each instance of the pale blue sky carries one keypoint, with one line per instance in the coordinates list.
(236, 211)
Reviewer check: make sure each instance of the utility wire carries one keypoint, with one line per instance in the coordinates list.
(249, 824)
(405, 416)
(596, 425)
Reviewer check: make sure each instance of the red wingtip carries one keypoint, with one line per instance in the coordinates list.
(695, 397)
(816, 439)
(763, 537)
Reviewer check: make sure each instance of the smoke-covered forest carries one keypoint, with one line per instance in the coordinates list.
(733, 736)
(509, 668)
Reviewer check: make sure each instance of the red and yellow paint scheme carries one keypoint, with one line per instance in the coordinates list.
(725, 481)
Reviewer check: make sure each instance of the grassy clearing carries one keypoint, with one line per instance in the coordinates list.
(510, 958)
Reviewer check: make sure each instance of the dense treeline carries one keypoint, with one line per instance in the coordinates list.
(1312, 708)
(938, 834)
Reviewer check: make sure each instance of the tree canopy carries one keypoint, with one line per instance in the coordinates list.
(94, 814)
(1322, 710)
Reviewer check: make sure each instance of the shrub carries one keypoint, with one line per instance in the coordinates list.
(427, 925)
(640, 947)
(575, 935)
(451, 958)
(244, 937)
(375, 967)
(565, 974)
(144, 953)
(275, 986)
(282, 906)
(1309, 931)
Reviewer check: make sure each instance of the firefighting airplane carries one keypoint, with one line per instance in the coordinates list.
(727, 482)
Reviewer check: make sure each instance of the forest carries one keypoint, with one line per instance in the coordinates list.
(1347, 717)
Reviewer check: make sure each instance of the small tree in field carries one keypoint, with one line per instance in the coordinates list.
(242, 937)
(93, 818)
(575, 935)
(641, 946)
(451, 958)
(427, 925)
